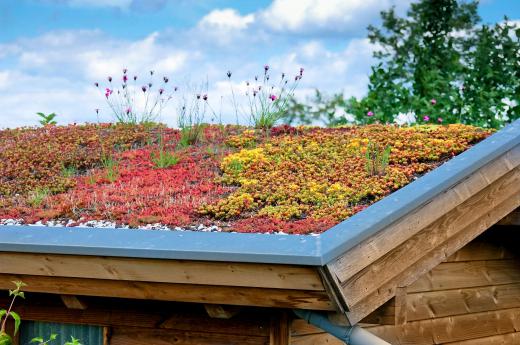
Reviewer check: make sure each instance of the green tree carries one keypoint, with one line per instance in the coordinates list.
(438, 63)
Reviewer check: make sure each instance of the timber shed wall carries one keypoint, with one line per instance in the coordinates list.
(472, 298)
(131, 322)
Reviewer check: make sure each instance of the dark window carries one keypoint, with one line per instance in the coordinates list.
(88, 335)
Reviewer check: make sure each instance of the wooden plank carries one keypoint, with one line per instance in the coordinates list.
(401, 306)
(173, 292)
(482, 250)
(435, 304)
(162, 271)
(451, 329)
(429, 261)
(301, 327)
(280, 330)
(74, 302)
(399, 259)
(378, 245)
(316, 339)
(458, 275)
(139, 336)
(502, 339)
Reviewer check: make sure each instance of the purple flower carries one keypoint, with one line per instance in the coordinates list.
(161, 90)
(108, 92)
(301, 71)
(128, 110)
(205, 97)
(273, 97)
(298, 77)
(433, 101)
(439, 120)
(109, 79)
(166, 79)
(125, 78)
(266, 68)
(125, 70)
(228, 74)
(143, 88)
(96, 84)
(426, 118)
(370, 113)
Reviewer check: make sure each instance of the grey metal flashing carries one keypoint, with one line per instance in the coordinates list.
(157, 244)
(262, 248)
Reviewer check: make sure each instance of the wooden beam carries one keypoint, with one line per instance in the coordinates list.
(432, 258)
(162, 271)
(218, 311)
(383, 242)
(436, 304)
(280, 330)
(73, 302)
(434, 235)
(173, 292)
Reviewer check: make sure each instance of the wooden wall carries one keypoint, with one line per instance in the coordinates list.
(471, 298)
(132, 322)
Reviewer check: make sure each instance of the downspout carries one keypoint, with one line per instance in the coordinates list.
(351, 335)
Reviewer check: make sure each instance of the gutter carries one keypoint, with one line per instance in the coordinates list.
(351, 335)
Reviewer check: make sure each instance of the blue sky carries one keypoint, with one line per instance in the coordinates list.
(52, 51)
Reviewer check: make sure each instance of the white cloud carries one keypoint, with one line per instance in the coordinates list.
(226, 19)
(311, 16)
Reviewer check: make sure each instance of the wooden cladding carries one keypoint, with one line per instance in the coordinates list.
(173, 292)
(370, 274)
(268, 285)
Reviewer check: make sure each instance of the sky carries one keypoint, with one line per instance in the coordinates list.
(53, 51)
